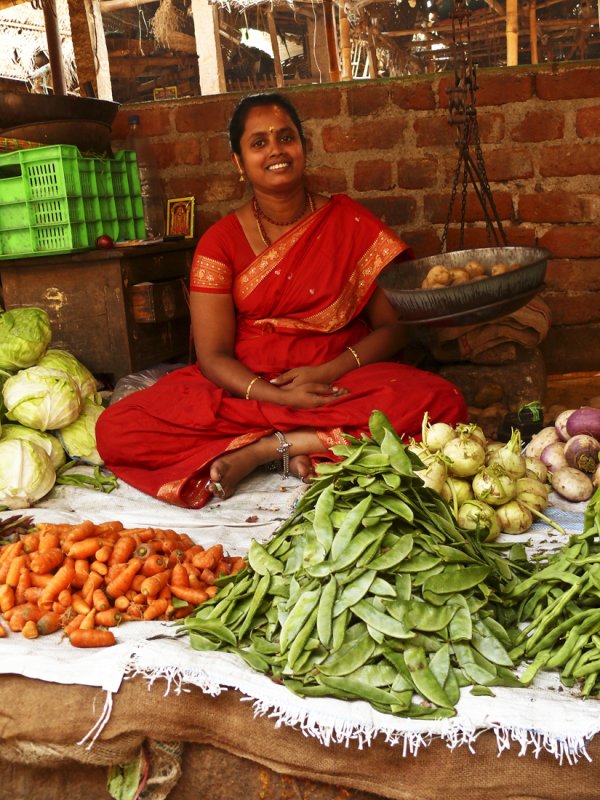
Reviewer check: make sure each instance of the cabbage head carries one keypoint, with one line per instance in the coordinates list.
(42, 398)
(25, 334)
(62, 359)
(79, 438)
(47, 441)
(26, 473)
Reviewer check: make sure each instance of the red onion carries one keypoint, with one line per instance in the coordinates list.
(560, 423)
(553, 456)
(581, 452)
(584, 420)
(572, 484)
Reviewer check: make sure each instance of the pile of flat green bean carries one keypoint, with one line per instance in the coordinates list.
(559, 610)
(370, 591)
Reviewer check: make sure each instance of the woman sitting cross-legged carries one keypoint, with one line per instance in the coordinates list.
(293, 338)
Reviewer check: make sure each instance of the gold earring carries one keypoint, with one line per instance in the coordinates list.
(239, 166)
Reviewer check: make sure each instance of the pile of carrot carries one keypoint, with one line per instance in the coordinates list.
(86, 579)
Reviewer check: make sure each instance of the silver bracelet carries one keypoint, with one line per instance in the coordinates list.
(284, 450)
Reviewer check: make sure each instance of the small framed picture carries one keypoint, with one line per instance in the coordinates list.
(180, 217)
(165, 93)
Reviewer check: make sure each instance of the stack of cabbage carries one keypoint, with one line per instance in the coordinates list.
(49, 408)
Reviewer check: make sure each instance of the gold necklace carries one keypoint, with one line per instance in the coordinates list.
(259, 215)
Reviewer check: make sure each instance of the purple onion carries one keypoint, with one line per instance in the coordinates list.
(584, 420)
(581, 452)
(560, 423)
(553, 456)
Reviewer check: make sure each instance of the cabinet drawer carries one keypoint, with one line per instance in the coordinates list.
(159, 301)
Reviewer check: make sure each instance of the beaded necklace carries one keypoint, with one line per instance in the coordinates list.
(259, 215)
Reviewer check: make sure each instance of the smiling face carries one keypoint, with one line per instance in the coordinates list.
(272, 152)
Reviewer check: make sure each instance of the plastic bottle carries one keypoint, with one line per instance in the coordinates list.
(151, 186)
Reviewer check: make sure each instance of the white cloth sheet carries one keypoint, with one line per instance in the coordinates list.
(544, 717)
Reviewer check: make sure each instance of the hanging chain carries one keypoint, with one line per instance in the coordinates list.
(461, 106)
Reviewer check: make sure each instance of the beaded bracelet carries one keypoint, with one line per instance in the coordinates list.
(355, 354)
(283, 450)
(250, 385)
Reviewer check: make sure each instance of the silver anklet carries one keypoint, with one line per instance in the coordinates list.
(284, 450)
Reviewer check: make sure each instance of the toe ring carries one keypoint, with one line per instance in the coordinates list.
(216, 488)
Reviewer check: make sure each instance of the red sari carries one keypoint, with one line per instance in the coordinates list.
(300, 302)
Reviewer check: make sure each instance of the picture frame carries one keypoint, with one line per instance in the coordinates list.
(165, 93)
(180, 216)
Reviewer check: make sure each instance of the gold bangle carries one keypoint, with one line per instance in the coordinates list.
(250, 385)
(355, 354)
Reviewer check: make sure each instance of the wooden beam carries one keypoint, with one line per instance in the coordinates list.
(533, 46)
(275, 46)
(332, 49)
(106, 6)
(208, 47)
(59, 84)
(512, 33)
(89, 46)
(345, 44)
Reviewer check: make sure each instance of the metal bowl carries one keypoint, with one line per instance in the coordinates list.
(465, 303)
(89, 135)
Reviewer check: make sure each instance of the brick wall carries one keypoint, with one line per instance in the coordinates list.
(388, 144)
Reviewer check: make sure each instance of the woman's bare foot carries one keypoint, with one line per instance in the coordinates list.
(229, 469)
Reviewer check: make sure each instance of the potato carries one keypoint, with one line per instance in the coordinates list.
(437, 274)
(459, 275)
(474, 269)
(499, 269)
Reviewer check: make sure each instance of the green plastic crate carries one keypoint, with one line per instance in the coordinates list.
(40, 173)
(128, 182)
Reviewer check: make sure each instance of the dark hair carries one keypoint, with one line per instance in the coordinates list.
(243, 108)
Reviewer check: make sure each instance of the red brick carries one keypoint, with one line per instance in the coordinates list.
(573, 308)
(218, 148)
(559, 207)
(539, 126)
(436, 207)
(587, 122)
(417, 95)
(563, 351)
(317, 102)
(380, 135)
(396, 210)
(207, 115)
(570, 159)
(424, 242)
(417, 173)
(368, 98)
(434, 131)
(155, 121)
(188, 150)
(568, 84)
(375, 174)
(572, 274)
(491, 127)
(477, 237)
(573, 241)
(493, 89)
(327, 180)
(508, 164)
(208, 188)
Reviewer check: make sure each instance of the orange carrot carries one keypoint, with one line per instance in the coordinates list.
(94, 581)
(92, 638)
(65, 598)
(147, 549)
(122, 582)
(100, 567)
(11, 550)
(79, 532)
(153, 584)
(211, 590)
(108, 618)
(209, 558)
(30, 630)
(79, 605)
(179, 576)
(156, 608)
(223, 568)
(195, 582)
(41, 580)
(136, 583)
(104, 528)
(192, 552)
(122, 602)
(134, 611)
(89, 621)
(104, 552)
(3, 633)
(31, 542)
(82, 570)
(7, 597)
(48, 623)
(238, 564)
(19, 615)
(48, 541)
(100, 600)
(14, 571)
(73, 624)
(85, 548)
(61, 580)
(153, 564)
(122, 550)
(194, 596)
(24, 583)
(140, 599)
(44, 561)
(208, 576)
(32, 595)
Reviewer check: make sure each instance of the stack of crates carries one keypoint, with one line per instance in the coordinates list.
(53, 200)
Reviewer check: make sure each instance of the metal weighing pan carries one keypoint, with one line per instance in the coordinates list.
(465, 303)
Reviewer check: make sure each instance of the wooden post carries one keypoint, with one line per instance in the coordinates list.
(512, 33)
(59, 85)
(332, 49)
(345, 45)
(208, 47)
(533, 45)
(275, 46)
(89, 46)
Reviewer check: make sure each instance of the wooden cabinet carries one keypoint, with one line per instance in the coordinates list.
(118, 311)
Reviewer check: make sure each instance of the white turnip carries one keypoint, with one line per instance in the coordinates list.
(514, 517)
(553, 456)
(572, 484)
(560, 423)
(541, 440)
(581, 452)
